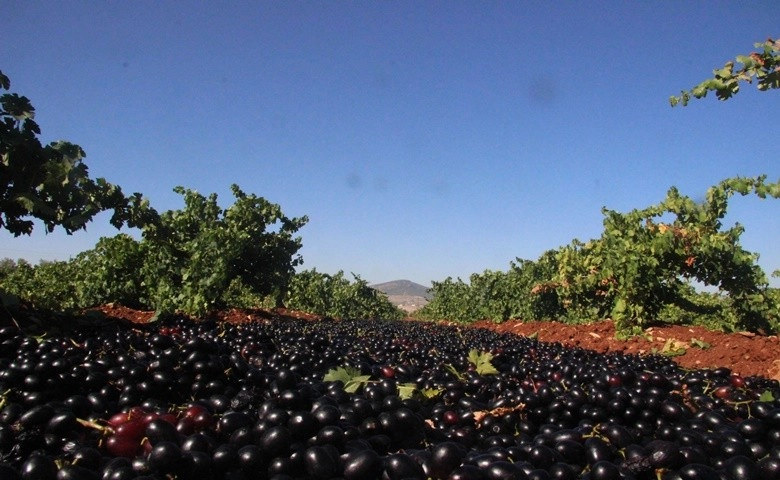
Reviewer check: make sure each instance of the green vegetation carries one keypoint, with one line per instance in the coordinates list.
(497, 296)
(51, 183)
(639, 271)
(335, 296)
(193, 255)
(764, 66)
(190, 260)
(640, 265)
(203, 257)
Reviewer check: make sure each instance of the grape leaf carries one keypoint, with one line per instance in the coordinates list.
(406, 390)
(700, 343)
(349, 376)
(342, 374)
(432, 392)
(481, 360)
(766, 397)
(673, 348)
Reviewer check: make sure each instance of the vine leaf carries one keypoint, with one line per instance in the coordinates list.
(349, 376)
(700, 343)
(408, 390)
(481, 360)
(766, 397)
(431, 392)
(673, 348)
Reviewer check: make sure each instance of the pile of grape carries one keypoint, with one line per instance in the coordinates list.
(362, 400)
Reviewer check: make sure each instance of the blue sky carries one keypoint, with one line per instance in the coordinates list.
(423, 139)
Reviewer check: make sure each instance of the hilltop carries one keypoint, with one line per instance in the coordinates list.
(405, 294)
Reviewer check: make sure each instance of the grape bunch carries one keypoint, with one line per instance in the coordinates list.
(360, 400)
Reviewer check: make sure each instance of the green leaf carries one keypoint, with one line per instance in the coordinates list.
(19, 107)
(766, 397)
(700, 343)
(341, 374)
(432, 392)
(481, 360)
(620, 307)
(354, 385)
(670, 350)
(349, 376)
(406, 390)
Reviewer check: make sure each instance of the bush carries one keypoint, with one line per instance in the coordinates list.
(497, 296)
(110, 273)
(48, 286)
(335, 296)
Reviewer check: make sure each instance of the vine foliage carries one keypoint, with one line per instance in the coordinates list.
(640, 270)
(51, 182)
(519, 292)
(191, 260)
(193, 255)
(640, 264)
(763, 66)
(338, 297)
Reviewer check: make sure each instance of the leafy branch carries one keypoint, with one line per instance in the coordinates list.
(51, 182)
(764, 66)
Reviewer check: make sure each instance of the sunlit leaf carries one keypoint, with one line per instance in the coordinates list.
(406, 390)
(349, 376)
(481, 361)
(766, 396)
(341, 374)
(432, 392)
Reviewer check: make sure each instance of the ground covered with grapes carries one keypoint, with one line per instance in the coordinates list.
(274, 396)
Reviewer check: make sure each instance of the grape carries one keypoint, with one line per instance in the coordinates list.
(133, 429)
(362, 464)
(445, 457)
(165, 457)
(123, 446)
(321, 462)
(400, 465)
(39, 467)
(205, 400)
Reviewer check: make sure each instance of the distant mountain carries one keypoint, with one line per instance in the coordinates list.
(405, 294)
(403, 287)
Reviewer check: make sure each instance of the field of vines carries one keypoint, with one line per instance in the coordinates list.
(362, 395)
(644, 269)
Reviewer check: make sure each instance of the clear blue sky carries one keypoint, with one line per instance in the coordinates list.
(423, 139)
